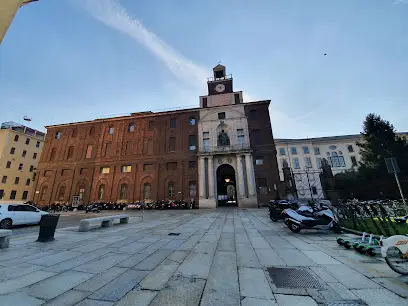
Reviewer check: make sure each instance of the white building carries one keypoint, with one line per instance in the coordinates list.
(304, 157)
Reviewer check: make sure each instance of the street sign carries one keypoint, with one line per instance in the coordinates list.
(392, 165)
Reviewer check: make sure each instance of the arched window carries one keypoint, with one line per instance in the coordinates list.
(58, 135)
(43, 193)
(192, 120)
(147, 188)
(61, 193)
(91, 131)
(123, 192)
(111, 130)
(170, 189)
(101, 192)
(131, 127)
(53, 154)
(74, 132)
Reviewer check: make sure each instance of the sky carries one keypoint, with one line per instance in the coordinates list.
(75, 60)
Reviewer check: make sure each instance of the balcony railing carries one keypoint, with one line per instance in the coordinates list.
(225, 149)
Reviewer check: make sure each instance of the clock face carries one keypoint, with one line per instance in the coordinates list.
(220, 87)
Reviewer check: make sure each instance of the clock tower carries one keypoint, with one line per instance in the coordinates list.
(221, 83)
(220, 90)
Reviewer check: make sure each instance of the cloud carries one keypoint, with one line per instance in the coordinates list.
(115, 16)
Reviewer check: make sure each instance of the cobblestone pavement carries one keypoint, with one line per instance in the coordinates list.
(220, 257)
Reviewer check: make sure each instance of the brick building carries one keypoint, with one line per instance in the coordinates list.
(166, 155)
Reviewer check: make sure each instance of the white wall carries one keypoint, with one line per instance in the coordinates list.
(234, 119)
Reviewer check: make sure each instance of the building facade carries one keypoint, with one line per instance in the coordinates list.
(20, 151)
(221, 153)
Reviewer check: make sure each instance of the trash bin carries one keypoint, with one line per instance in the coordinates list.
(48, 225)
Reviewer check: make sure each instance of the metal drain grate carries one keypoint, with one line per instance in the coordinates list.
(293, 278)
(174, 234)
(346, 303)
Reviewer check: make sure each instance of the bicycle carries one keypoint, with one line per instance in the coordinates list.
(395, 252)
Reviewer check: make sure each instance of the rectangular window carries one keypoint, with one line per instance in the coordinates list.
(262, 186)
(296, 163)
(204, 102)
(4, 179)
(147, 167)
(104, 170)
(353, 161)
(35, 156)
(13, 195)
(28, 182)
(70, 152)
(192, 142)
(172, 144)
(12, 150)
(150, 146)
(171, 166)
(37, 145)
(192, 188)
(259, 161)
(20, 167)
(282, 151)
(107, 149)
(192, 164)
(350, 148)
(206, 141)
(151, 125)
(319, 162)
(237, 100)
(31, 168)
(256, 137)
(16, 181)
(316, 150)
(293, 151)
(25, 195)
(8, 165)
(306, 150)
(16, 138)
(88, 151)
(240, 137)
(221, 115)
(1, 194)
(128, 148)
(173, 123)
(111, 130)
(284, 162)
(126, 168)
(253, 114)
(308, 162)
(27, 141)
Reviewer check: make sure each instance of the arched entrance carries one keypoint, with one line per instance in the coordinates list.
(226, 186)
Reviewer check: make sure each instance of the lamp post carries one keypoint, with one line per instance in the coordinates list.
(8, 9)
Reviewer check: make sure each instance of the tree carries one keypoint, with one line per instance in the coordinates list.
(380, 141)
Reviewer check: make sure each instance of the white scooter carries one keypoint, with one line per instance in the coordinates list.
(395, 252)
(308, 218)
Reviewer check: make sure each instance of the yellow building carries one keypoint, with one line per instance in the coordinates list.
(8, 9)
(20, 151)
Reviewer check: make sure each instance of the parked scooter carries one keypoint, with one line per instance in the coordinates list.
(276, 207)
(307, 217)
(93, 208)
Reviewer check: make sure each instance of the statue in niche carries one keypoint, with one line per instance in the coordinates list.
(223, 139)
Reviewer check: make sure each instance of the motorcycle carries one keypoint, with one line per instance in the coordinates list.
(92, 208)
(277, 207)
(306, 217)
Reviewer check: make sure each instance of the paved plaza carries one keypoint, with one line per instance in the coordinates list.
(220, 257)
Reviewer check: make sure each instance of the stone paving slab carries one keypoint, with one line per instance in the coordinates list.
(219, 258)
(180, 291)
(58, 284)
(117, 288)
(222, 285)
